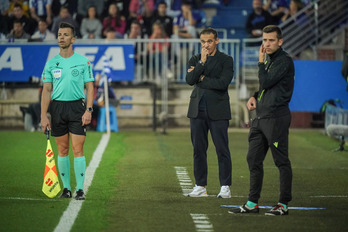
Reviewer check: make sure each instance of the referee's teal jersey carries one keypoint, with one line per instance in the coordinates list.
(68, 76)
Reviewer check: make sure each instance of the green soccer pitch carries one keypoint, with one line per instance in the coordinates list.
(137, 188)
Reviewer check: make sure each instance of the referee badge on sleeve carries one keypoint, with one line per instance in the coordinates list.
(57, 73)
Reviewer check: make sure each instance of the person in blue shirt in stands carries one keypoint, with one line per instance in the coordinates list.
(257, 20)
(41, 9)
(184, 24)
(276, 8)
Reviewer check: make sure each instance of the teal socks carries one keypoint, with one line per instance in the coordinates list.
(64, 170)
(285, 206)
(80, 169)
(251, 204)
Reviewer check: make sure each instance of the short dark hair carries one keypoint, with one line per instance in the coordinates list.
(136, 22)
(18, 21)
(208, 30)
(273, 28)
(68, 25)
(162, 3)
(185, 2)
(18, 5)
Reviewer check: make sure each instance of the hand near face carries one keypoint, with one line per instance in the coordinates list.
(262, 53)
(204, 54)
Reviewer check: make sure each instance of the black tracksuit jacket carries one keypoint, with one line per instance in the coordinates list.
(276, 79)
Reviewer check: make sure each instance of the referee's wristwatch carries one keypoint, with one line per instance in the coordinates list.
(90, 109)
(201, 62)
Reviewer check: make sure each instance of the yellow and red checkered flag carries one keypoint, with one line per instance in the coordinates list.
(51, 186)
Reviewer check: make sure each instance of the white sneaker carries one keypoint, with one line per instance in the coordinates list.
(198, 191)
(225, 192)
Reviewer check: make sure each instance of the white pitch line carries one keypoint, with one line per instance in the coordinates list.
(184, 180)
(202, 222)
(70, 214)
(27, 199)
(330, 196)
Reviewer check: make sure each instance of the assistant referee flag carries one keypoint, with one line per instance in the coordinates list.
(51, 186)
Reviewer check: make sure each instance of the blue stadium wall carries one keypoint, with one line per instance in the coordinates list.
(317, 82)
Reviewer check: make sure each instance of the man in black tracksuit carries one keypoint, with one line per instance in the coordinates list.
(270, 128)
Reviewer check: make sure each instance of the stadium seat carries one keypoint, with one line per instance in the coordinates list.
(101, 124)
(202, 20)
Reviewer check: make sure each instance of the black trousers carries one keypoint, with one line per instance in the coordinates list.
(199, 137)
(264, 134)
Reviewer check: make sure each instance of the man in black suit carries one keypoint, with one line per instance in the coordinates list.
(211, 73)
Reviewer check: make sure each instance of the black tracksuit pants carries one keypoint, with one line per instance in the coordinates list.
(200, 127)
(270, 133)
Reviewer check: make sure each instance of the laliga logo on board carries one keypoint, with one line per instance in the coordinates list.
(12, 57)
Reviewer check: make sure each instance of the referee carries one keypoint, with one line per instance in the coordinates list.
(64, 78)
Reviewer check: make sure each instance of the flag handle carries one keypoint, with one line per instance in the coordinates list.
(47, 133)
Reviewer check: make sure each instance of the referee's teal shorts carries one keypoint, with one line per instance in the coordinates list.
(66, 116)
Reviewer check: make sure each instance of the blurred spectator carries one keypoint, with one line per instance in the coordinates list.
(24, 4)
(43, 33)
(99, 97)
(162, 17)
(70, 4)
(64, 16)
(91, 26)
(18, 32)
(18, 14)
(3, 25)
(41, 9)
(115, 20)
(4, 7)
(173, 7)
(123, 6)
(257, 20)
(184, 24)
(142, 10)
(135, 30)
(158, 32)
(296, 23)
(110, 33)
(83, 6)
(100, 93)
(276, 8)
(135, 33)
(155, 49)
(294, 8)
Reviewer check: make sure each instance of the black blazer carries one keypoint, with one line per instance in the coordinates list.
(218, 74)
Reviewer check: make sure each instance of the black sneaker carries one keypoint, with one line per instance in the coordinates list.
(244, 209)
(277, 210)
(80, 195)
(66, 193)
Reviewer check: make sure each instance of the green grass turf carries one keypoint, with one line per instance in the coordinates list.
(135, 187)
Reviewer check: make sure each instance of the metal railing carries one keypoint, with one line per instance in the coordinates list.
(316, 24)
(163, 62)
(169, 57)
